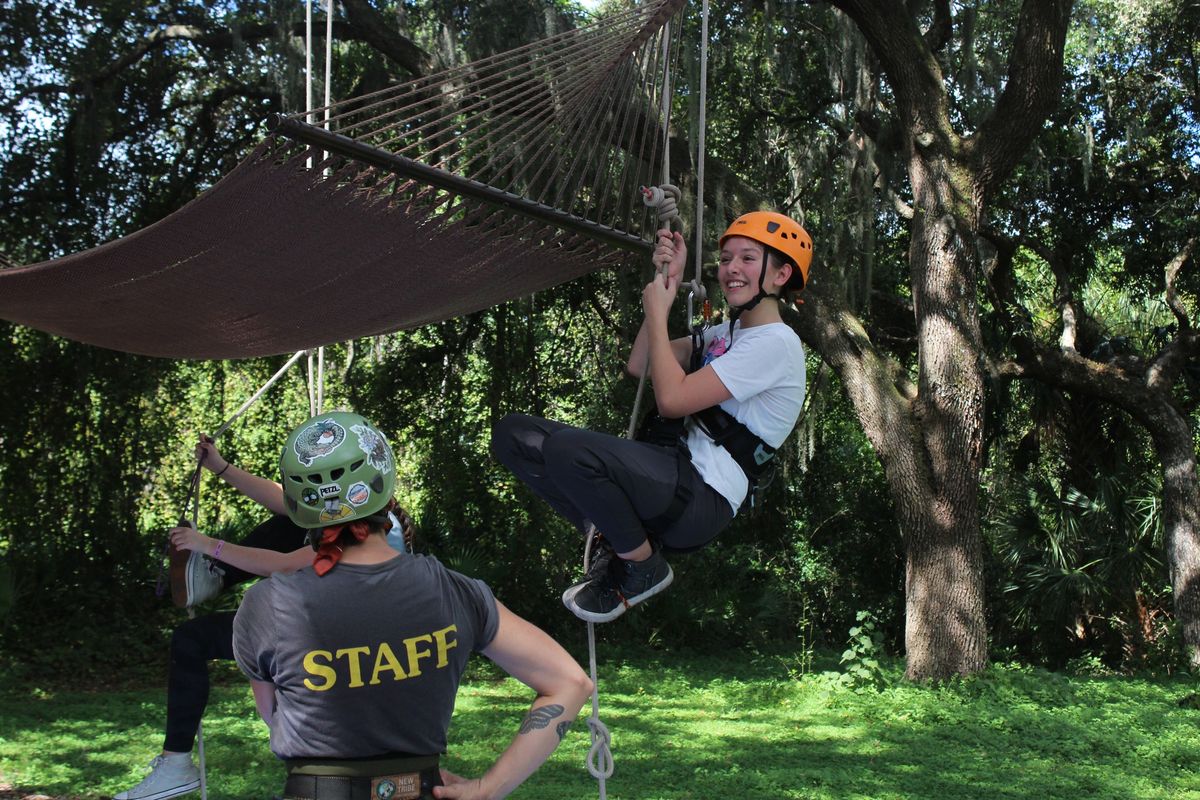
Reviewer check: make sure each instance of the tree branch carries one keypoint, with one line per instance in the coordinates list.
(938, 35)
(373, 28)
(1172, 274)
(366, 27)
(1032, 90)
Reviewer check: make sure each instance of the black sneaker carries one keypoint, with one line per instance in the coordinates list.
(626, 584)
(600, 559)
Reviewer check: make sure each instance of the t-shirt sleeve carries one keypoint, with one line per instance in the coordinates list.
(254, 633)
(479, 604)
(754, 364)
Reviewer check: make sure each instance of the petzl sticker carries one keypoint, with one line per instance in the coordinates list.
(330, 490)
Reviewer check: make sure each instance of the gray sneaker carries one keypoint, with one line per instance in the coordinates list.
(195, 578)
(626, 584)
(170, 776)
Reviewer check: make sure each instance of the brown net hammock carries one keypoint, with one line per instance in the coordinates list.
(428, 200)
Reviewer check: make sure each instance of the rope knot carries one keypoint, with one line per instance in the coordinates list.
(665, 200)
(599, 758)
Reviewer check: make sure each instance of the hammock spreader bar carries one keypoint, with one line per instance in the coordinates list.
(366, 154)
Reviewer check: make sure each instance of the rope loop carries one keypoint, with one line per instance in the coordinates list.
(599, 758)
(665, 200)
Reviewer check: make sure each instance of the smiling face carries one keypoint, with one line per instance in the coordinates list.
(739, 268)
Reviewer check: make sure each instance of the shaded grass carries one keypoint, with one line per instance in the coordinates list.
(694, 727)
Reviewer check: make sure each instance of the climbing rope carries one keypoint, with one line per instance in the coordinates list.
(664, 199)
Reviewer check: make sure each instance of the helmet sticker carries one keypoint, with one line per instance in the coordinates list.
(318, 440)
(371, 443)
(335, 510)
(330, 490)
(358, 494)
(309, 496)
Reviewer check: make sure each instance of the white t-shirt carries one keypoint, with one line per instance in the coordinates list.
(764, 371)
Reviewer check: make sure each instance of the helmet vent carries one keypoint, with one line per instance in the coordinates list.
(354, 467)
(772, 227)
(296, 478)
(315, 478)
(337, 473)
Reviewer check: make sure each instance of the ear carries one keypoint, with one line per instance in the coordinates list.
(784, 273)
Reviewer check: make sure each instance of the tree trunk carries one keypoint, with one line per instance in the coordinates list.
(946, 632)
(1181, 519)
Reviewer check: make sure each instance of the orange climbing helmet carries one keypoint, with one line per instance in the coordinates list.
(780, 233)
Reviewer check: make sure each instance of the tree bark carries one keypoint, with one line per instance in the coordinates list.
(933, 458)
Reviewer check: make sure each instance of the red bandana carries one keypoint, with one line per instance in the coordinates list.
(329, 553)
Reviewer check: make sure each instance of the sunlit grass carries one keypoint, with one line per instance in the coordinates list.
(688, 727)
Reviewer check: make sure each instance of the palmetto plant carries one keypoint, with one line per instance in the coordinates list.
(1078, 566)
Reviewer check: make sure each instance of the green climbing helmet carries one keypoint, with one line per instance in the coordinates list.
(336, 468)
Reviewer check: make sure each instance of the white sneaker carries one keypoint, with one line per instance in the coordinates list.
(203, 579)
(170, 776)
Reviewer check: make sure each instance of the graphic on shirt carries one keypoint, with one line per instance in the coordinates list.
(376, 449)
(366, 665)
(718, 347)
(358, 494)
(334, 510)
(318, 440)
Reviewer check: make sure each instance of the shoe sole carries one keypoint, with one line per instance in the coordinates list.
(174, 791)
(178, 573)
(621, 608)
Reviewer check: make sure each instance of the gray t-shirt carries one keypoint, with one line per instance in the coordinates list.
(366, 660)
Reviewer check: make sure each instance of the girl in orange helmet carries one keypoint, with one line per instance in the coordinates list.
(741, 391)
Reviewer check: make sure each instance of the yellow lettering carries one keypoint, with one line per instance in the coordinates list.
(386, 660)
(321, 670)
(415, 655)
(444, 644)
(352, 658)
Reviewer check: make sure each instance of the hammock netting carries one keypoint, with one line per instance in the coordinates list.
(425, 201)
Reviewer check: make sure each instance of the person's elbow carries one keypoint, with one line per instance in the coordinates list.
(671, 405)
(578, 687)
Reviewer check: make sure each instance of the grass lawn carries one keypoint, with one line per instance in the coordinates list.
(691, 727)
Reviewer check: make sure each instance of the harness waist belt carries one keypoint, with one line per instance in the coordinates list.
(383, 778)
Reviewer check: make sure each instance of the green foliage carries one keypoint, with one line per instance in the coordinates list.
(861, 660)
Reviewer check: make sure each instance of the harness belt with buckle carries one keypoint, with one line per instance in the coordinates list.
(379, 778)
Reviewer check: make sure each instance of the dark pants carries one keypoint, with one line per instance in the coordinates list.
(200, 640)
(616, 484)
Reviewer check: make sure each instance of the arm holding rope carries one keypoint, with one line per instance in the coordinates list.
(532, 657)
(266, 493)
(676, 392)
(670, 254)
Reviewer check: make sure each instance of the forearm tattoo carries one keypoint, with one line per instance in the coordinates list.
(539, 718)
(562, 729)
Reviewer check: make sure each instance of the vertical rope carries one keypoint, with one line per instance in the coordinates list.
(697, 284)
(308, 100)
(320, 380)
(600, 762)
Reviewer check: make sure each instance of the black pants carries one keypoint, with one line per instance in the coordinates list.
(616, 484)
(200, 640)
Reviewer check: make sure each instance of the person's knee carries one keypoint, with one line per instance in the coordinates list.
(509, 435)
(568, 450)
